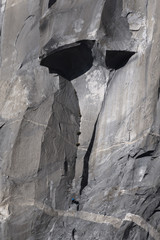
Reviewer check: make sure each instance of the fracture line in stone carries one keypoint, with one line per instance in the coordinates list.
(43, 125)
(10, 123)
(119, 144)
(36, 123)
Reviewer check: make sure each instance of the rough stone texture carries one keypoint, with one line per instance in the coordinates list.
(79, 117)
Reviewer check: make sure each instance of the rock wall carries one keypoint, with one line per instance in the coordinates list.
(79, 118)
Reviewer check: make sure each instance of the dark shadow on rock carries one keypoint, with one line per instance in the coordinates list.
(85, 173)
(70, 61)
(73, 233)
(51, 2)
(146, 154)
(117, 59)
(65, 167)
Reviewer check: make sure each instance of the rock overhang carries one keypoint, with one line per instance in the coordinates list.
(117, 59)
(70, 61)
(66, 23)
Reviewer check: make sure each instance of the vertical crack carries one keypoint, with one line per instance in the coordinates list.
(73, 233)
(65, 167)
(159, 89)
(85, 173)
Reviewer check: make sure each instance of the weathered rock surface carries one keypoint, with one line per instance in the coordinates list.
(79, 118)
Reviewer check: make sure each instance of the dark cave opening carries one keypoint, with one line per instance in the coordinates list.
(70, 62)
(117, 59)
(51, 2)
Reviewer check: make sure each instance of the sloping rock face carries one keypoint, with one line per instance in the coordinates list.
(79, 118)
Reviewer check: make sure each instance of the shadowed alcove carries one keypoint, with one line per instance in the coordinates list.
(72, 61)
(117, 59)
(51, 2)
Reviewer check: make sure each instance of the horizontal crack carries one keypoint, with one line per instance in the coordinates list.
(36, 123)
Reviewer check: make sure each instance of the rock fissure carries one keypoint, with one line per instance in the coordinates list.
(73, 233)
(2, 125)
(84, 181)
(30, 16)
(146, 154)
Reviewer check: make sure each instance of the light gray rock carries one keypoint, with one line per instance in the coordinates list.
(79, 118)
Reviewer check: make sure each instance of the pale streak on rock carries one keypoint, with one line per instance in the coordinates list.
(143, 224)
(98, 218)
(121, 144)
(4, 213)
(36, 123)
(92, 217)
(45, 126)
(87, 216)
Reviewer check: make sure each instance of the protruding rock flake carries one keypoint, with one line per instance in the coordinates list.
(79, 120)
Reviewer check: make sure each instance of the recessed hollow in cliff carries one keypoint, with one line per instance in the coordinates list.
(51, 2)
(117, 59)
(72, 61)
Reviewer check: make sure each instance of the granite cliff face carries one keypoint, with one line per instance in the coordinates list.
(79, 118)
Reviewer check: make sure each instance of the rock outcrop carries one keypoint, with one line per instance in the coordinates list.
(79, 118)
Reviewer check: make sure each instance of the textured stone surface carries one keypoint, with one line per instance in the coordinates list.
(79, 118)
